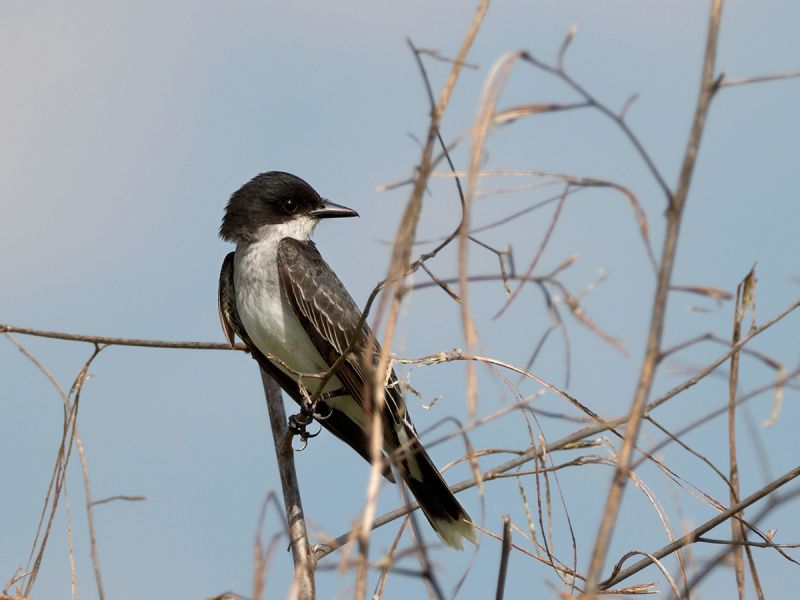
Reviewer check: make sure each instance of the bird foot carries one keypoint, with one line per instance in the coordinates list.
(298, 426)
(318, 410)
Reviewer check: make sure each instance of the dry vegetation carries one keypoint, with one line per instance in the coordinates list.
(534, 467)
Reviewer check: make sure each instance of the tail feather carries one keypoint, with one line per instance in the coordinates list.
(447, 517)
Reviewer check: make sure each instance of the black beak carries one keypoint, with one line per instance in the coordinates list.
(331, 210)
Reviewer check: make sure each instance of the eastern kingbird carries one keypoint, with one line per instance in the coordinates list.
(295, 316)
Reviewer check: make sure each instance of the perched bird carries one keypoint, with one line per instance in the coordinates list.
(295, 316)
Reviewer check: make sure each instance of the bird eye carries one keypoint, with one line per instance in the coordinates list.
(289, 206)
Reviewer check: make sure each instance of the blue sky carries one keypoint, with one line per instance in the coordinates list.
(125, 128)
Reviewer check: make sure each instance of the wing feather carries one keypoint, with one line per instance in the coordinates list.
(331, 319)
(226, 301)
(337, 423)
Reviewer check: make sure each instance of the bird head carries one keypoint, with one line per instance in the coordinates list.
(276, 202)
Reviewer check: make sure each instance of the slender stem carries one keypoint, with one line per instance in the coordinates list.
(401, 253)
(704, 570)
(693, 536)
(304, 563)
(505, 550)
(117, 341)
(674, 215)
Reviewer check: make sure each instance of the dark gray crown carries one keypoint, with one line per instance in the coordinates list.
(267, 199)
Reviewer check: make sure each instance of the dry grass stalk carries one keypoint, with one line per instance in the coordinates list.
(677, 201)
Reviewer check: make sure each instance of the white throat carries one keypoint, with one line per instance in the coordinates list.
(300, 228)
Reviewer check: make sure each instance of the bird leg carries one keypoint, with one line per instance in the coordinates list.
(309, 412)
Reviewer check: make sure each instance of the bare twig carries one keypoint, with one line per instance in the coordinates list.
(539, 252)
(619, 119)
(505, 550)
(117, 341)
(58, 477)
(398, 266)
(119, 497)
(692, 536)
(388, 562)
(70, 546)
(87, 486)
(263, 554)
(304, 562)
(674, 216)
(770, 504)
(706, 540)
(436, 55)
(725, 83)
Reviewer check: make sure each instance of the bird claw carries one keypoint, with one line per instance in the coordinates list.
(299, 423)
(321, 416)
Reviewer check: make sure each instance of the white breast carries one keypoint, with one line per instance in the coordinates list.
(266, 313)
(269, 318)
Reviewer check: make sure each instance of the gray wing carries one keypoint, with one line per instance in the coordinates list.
(226, 303)
(331, 319)
(337, 423)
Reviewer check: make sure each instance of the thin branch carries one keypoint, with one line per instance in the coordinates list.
(263, 554)
(543, 244)
(71, 547)
(87, 487)
(726, 83)
(693, 536)
(781, 380)
(117, 341)
(58, 477)
(504, 552)
(119, 497)
(421, 553)
(770, 504)
(304, 562)
(388, 562)
(617, 118)
(436, 55)
(398, 267)
(706, 540)
(674, 216)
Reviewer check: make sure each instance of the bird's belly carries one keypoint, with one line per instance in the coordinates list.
(270, 321)
(281, 335)
(274, 329)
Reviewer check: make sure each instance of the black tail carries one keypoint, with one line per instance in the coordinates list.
(443, 511)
